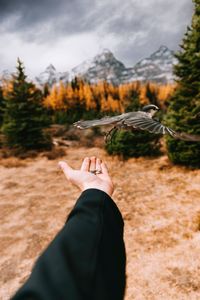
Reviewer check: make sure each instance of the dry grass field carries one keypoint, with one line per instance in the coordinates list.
(160, 204)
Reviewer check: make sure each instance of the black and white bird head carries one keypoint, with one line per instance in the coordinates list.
(150, 109)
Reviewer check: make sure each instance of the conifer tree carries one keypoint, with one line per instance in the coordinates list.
(2, 105)
(185, 103)
(46, 90)
(24, 118)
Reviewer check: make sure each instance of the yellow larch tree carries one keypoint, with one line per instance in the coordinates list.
(51, 100)
(88, 96)
(61, 97)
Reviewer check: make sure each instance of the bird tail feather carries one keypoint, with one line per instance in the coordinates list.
(187, 137)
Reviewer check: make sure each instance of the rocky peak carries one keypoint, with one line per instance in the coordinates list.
(50, 69)
(163, 53)
(5, 76)
(51, 76)
(106, 57)
(104, 66)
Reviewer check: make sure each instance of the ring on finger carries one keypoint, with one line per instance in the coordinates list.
(98, 172)
(95, 172)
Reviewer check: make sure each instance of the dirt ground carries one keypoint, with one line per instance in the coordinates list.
(160, 204)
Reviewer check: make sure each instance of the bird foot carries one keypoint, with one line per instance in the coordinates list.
(110, 134)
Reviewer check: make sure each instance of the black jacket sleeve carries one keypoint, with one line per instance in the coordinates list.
(86, 260)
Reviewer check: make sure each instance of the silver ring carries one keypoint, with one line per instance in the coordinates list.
(95, 172)
(98, 171)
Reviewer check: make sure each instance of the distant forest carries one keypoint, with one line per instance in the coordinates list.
(71, 101)
(104, 96)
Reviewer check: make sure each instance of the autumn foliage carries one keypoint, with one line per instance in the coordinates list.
(69, 102)
(103, 97)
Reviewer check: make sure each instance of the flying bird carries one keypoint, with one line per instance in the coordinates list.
(137, 120)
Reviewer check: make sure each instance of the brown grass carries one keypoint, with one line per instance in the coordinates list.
(160, 204)
(55, 153)
(12, 162)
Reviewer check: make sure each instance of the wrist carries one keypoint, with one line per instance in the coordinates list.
(107, 190)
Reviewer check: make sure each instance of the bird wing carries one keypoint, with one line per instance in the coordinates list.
(98, 122)
(154, 126)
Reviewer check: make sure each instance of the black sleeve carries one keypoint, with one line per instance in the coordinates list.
(70, 267)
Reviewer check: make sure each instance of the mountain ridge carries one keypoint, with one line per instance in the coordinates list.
(158, 67)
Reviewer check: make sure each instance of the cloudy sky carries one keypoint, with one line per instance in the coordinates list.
(67, 32)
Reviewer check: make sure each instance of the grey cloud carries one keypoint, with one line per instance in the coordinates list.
(33, 18)
(142, 30)
(168, 14)
(138, 27)
(48, 18)
(73, 16)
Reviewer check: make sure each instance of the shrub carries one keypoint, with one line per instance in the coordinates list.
(134, 144)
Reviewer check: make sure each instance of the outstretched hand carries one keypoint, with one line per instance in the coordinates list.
(92, 174)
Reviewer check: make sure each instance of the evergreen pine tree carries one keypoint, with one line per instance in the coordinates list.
(24, 118)
(185, 103)
(2, 106)
(46, 90)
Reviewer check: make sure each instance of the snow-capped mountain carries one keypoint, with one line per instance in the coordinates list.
(5, 75)
(51, 76)
(158, 68)
(104, 66)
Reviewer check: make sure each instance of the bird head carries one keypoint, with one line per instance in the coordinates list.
(151, 109)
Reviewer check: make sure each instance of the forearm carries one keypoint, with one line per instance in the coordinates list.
(66, 268)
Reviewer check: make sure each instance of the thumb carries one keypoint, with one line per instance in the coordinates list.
(66, 168)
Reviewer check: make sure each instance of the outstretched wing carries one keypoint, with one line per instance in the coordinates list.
(97, 122)
(156, 127)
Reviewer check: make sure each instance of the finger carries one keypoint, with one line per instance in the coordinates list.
(66, 168)
(98, 164)
(86, 164)
(104, 169)
(92, 163)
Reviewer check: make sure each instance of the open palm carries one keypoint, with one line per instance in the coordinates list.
(84, 179)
